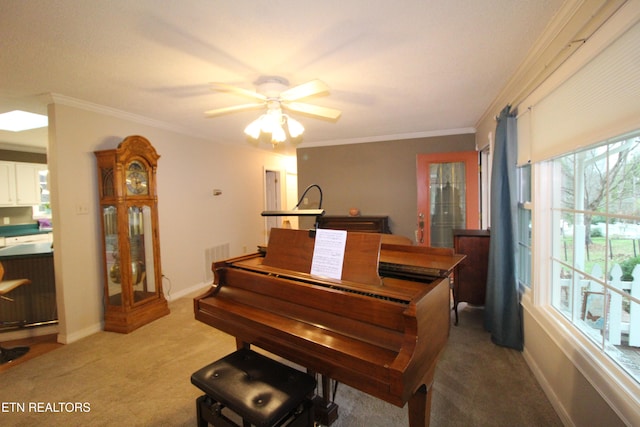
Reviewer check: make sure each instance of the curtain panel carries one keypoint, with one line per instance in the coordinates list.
(503, 312)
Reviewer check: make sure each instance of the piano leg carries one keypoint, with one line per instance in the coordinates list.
(420, 407)
(326, 411)
(241, 344)
(455, 303)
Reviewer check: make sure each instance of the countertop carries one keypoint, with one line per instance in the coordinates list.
(26, 250)
(22, 230)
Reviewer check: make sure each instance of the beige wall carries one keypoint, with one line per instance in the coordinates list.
(191, 218)
(379, 178)
(573, 397)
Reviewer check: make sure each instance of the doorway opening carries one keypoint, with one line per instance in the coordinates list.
(273, 199)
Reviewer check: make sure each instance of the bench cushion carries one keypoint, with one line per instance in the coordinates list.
(257, 388)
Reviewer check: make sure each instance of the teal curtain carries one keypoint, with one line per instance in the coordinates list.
(503, 312)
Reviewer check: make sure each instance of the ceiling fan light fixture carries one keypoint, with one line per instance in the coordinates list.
(278, 135)
(274, 93)
(295, 127)
(271, 121)
(254, 128)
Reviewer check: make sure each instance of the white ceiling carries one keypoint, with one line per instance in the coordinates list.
(396, 69)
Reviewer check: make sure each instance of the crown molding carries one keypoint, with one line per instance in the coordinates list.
(395, 137)
(570, 28)
(55, 98)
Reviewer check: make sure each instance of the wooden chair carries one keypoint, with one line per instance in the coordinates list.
(593, 308)
(6, 286)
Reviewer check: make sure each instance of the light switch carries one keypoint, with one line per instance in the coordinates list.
(82, 209)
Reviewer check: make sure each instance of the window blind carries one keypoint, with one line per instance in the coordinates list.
(599, 101)
(524, 137)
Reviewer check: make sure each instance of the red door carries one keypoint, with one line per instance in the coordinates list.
(448, 196)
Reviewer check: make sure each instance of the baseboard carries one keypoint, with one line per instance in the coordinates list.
(197, 288)
(19, 334)
(83, 333)
(90, 330)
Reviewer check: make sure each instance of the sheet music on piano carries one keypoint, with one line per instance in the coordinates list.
(328, 253)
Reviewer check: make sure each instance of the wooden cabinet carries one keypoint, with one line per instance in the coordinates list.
(363, 224)
(131, 248)
(470, 277)
(20, 183)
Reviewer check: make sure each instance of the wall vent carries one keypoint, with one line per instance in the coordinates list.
(215, 253)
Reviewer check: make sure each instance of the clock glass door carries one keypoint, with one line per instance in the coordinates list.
(142, 267)
(112, 255)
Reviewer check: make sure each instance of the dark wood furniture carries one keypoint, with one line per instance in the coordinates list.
(130, 240)
(470, 277)
(379, 331)
(363, 224)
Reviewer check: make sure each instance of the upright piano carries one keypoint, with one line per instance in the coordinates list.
(380, 328)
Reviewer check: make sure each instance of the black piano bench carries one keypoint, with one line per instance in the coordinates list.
(263, 392)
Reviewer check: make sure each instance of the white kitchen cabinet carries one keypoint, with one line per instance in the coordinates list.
(27, 184)
(7, 184)
(20, 183)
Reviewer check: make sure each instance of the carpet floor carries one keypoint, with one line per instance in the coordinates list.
(143, 379)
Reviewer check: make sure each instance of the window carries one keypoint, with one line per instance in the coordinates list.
(523, 260)
(596, 246)
(43, 210)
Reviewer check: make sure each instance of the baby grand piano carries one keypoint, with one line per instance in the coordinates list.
(379, 329)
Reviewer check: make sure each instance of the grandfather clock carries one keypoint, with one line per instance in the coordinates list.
(130, 243)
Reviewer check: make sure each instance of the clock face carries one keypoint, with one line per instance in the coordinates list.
(137, 179)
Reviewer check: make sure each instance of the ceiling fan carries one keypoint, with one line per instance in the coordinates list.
(274, 93)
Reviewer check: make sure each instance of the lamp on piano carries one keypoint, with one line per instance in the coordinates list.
(301, 212)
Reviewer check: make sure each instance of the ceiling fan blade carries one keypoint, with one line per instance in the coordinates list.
(233, 109)
(314, 110)
(304, 90)
(223, 87)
